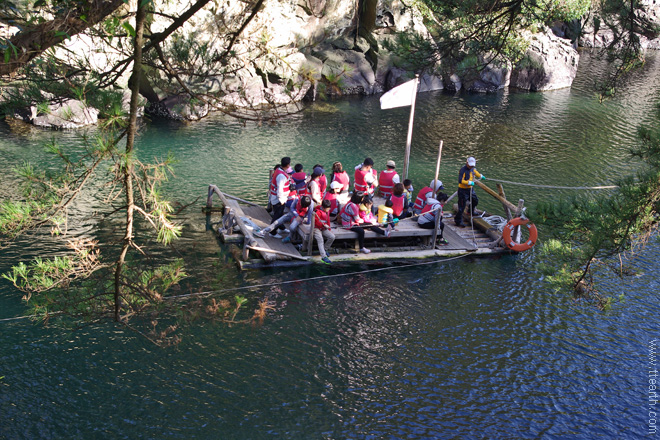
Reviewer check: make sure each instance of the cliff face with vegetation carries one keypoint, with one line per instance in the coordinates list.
(288, 51)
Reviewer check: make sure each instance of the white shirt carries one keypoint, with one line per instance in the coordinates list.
(281, 181)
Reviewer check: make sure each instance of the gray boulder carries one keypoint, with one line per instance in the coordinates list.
(550, 63)
(66, 114)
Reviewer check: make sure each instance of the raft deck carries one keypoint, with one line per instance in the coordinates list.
(406, 241)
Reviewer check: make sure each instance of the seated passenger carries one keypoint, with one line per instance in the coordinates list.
(432, 209)
(425, 193)
(323, 230)
(333, 197)
(400, 206)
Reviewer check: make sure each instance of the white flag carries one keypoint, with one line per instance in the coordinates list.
(399, 96)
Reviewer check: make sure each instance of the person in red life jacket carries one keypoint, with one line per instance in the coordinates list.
(314, 188)
(332, 196)
(366, 177)
(432, 209)
(300, 179)
(425, 193)
(341, 176)
(387, 179)
(466, 177)
(350, 218)
(323, 230)
(399, 200)
(323, 181)
(298, 216)
(280, 188)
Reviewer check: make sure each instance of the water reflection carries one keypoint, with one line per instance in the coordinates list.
(474, 348)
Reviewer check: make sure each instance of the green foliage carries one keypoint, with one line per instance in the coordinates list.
(592, 233)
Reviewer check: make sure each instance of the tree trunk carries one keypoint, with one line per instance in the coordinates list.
(130, 142)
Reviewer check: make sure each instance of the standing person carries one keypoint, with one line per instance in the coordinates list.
(400, 208)
(323, 230)
(387, 179)
(280, 187)
(366, 177)
(425, 193)
(432, 209)
(300, 179)
(323, 181)
(466, 177)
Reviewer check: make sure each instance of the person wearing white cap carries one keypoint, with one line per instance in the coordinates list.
(387, 179)
(365, 178)
(433, 208)
(425, 193)
(466, 178)
(333, 196)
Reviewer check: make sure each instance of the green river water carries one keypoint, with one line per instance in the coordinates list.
(466, 349)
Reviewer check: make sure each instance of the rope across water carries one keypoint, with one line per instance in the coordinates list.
(553, 186)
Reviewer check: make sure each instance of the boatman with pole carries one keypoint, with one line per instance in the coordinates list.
(466, 177)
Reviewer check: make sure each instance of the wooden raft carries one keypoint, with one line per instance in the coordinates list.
(406, 241)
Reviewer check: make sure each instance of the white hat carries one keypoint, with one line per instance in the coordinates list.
(335, 185)
(390, 163)
(436, 185)
(369, 178)
(471, 161)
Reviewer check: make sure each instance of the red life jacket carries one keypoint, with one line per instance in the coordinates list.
(430, 216)
(300, 210)
(321, 219)
(348, 220)
(333, 201)
(398, 203)
(273, 182)
(421, 197)
(385, 182)
(343, 179)
(323, 183)
(360, 183)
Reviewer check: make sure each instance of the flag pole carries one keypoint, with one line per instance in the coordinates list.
(406, 159)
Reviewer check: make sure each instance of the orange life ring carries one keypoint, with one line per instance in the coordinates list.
(508, 230)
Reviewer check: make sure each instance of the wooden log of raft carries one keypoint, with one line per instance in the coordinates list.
(249, 238)
(482, 224)
(502, 200)
(273, 251)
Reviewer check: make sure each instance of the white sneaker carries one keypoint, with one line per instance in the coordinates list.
(286, 230)
(259, 234)
(388, 231)
(276, 235)
(365, 251)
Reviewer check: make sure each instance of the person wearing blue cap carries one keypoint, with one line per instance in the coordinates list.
(466, 178)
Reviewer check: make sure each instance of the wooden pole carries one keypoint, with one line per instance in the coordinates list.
(229, 196)
(516, 231)
(310, 239)
(406, 159)
(507, 211)
(273, 251)
(438, 213)
(497, 196)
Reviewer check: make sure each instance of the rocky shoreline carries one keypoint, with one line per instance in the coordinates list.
(326, 57)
